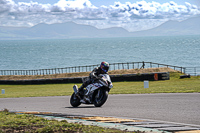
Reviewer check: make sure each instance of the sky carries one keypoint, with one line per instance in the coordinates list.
(132, 15)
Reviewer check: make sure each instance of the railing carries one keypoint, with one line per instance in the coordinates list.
(195, 71)
(113, 66)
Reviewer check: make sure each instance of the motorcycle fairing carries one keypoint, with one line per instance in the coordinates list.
(93, 87)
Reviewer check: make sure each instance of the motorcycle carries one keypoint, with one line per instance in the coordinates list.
(95, 93)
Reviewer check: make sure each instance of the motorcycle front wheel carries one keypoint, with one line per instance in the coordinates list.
(74, 100)
(100, 97)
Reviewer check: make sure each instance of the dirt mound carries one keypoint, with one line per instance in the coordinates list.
(145, 70)
(83, 74)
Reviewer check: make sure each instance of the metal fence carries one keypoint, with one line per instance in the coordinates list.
(113, 66)
(195, 71)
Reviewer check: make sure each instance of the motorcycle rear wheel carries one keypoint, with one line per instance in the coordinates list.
(74, 100)
(99, 101)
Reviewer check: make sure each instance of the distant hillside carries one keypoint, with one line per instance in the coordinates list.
(187, 27)
(72, 30)
(62, 30)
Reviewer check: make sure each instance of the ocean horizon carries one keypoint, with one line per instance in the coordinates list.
(180, 51)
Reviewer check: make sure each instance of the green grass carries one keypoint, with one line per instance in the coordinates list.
(174, 85)
(11, 122)
(36, 90)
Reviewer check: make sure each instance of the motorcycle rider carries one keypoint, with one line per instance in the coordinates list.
(102, 69)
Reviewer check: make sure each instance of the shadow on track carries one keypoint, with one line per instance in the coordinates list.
(81, 107)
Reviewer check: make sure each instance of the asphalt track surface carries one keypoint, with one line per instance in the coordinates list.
(169, 107)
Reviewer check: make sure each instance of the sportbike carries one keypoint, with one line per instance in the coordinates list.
(95, 93)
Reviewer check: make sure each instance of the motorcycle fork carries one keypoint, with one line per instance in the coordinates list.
(98, 93)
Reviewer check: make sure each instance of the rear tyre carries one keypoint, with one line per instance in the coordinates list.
(74, 100)
(100, 99)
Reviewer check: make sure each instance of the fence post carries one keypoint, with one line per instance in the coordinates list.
(128, 65)
(143, 64)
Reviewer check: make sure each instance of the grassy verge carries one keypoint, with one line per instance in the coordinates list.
(174, 85)
(10, 122)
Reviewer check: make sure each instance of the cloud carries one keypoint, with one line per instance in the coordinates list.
(77, 4)
(127, 15)
(154, 10)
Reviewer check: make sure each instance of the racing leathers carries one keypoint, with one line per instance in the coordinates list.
(92, 77)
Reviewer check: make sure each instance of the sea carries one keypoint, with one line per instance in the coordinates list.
(183, 51)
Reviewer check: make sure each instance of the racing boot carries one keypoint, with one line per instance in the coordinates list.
(80, 90)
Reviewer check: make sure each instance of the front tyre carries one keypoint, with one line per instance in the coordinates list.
(100, 98)
(74, 100)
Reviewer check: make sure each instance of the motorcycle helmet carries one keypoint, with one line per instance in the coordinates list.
(104, 66)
